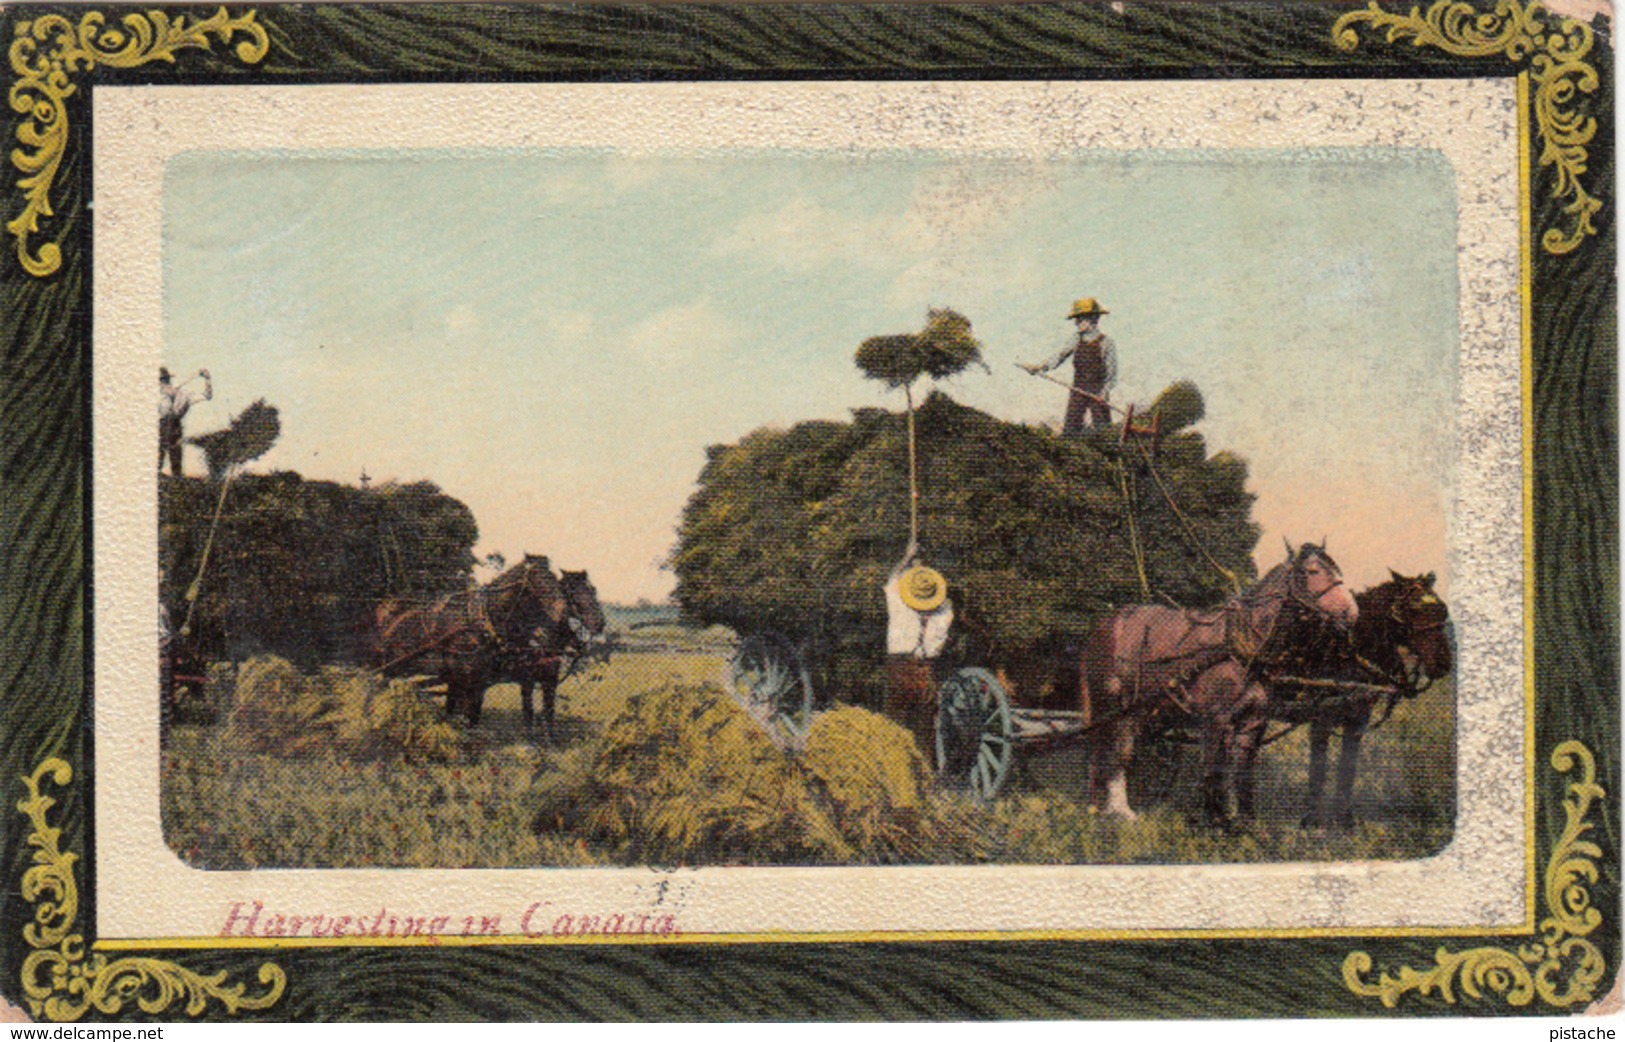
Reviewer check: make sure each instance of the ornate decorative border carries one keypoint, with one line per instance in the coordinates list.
(1554, 57)
(60, 982)
(45, 56)
(1563, 968)
(63, 980)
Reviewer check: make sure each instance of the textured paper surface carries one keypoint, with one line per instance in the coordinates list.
(1481, 880)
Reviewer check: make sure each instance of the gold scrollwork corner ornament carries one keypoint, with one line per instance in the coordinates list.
(1554, 53)
(1562, 967)
(61, 982)
(46, 55)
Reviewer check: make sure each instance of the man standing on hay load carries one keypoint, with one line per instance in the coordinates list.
(173, 405)
(918, 617)
(1094, 369)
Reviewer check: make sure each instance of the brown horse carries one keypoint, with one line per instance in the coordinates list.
(1398, 643)
(461, 638)
(573, 627)
(1148, 667)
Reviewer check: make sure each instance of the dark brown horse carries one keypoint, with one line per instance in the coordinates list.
(461, 639)
(1147, 668)
(571, 631)
(1396, 649)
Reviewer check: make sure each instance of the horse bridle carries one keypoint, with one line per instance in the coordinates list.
(1300, 578)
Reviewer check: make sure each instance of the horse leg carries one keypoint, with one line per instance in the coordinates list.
(1094, 785)
(1217, 756)
(527, 707)
(1247, 728)
(1110, 747)
(1320, 740)
(1348, 762)
(1121, 751)
(1246, 754)
(550, 688)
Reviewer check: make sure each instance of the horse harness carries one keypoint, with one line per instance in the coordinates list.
(1249, 645)
(481, 622)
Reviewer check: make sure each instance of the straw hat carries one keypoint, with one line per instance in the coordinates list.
(923, 589)
(1086, 306)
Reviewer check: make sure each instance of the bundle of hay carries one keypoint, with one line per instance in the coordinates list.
(685, 776)
(249, 436)
(875, 780)
(946, 344)
(1178, 406)
(943, 348)
(350, 712)
(270, 711)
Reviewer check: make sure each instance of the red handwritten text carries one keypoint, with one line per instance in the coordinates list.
(253, 919)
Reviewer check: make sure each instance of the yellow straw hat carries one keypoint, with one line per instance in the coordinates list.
(923, 589)
(1086, 306)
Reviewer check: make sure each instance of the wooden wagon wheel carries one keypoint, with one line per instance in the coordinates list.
(766, 674)
(975, 742)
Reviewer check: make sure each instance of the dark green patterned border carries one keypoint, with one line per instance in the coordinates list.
(45, 496)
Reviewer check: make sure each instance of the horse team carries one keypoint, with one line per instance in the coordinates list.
(1297, 647)
(518, 628)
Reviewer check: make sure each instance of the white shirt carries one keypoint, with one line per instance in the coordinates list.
(175, 401)
(909, 632)
(1108, 350)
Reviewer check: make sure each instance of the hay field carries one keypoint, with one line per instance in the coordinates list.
(499, 800)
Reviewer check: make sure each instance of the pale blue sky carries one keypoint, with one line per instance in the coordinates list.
(555, 336)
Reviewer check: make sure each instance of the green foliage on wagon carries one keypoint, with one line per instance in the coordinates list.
(297, 567)
(795, 530)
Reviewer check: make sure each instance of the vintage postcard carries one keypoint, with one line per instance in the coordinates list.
(655, 496)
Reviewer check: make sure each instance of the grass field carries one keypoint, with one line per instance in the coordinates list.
(226, 808)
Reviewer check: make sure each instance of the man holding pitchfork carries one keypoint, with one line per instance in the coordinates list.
(1094, 369)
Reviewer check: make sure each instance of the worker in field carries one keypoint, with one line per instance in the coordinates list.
(918, 618)
(1094, 369)
(173, 404)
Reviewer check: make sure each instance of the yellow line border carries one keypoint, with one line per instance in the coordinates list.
(853, 937)
(1526, 297)
(1526, 425)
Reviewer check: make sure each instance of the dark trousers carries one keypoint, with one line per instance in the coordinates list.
(169, 443)
(911, 700)
(1083, 413)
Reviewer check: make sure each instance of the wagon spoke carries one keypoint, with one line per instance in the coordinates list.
(769, 679)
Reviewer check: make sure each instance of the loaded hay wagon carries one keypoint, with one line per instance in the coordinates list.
(1150, 671)
(1163, 670)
